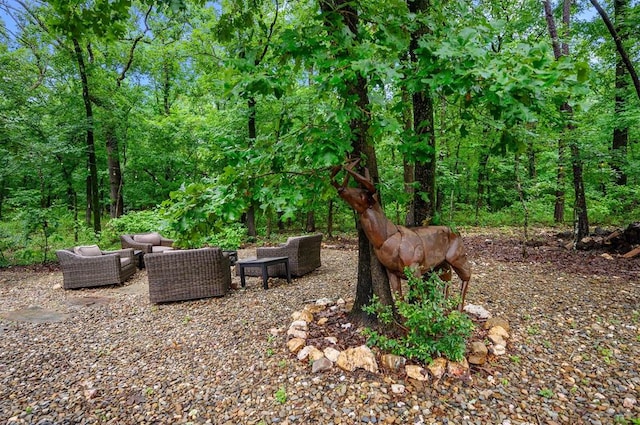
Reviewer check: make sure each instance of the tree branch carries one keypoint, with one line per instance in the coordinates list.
(136, 40)
(621, 51)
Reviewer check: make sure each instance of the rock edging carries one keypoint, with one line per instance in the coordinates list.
(362, 357)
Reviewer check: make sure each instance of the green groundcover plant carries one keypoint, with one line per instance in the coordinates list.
(430, 323)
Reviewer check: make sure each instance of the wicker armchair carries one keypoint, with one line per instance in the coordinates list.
(187, 274)
(303, 253)
(85, 267)
(146, 242)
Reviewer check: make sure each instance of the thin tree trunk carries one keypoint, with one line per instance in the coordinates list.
(621, 129)
(580, 220)
(311, 222)
(408, 166)
(482, 182)
(115, 173)
(558, 211)
(330, 219)
(251, 125)
(2, 195)
(93, 199)
(166, 87)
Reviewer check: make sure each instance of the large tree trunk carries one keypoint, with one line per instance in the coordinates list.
(423, 121)
(370, 278)
(621, 129)
(370, 281)
(93, 199)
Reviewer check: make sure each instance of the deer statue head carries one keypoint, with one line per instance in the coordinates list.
(359, 198)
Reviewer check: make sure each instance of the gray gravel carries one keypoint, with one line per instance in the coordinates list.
(573, 356)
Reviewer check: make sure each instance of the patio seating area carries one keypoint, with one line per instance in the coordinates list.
(180, 275)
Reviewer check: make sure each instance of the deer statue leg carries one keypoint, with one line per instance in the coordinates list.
(396, 285)
(463, 293)
(457, 257)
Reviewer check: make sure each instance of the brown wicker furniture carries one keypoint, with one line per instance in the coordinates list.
(303, 253)
(146, 242)
(88, 266)
(264, 264)
(187, 274)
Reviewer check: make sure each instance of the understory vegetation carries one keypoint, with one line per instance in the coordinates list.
(430, 325)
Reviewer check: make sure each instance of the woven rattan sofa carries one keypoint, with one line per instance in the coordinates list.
(303, 253)
(188, 274)
(146, 242)
(88, 266)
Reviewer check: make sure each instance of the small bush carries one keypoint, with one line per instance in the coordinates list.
(433, 326)
(229, 237)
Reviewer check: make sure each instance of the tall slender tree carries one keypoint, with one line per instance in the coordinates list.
(621, 127)
(560, 49)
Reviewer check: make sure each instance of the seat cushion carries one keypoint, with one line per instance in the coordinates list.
(125, 261)
(161, 248)
(88, 251)
(152, 238)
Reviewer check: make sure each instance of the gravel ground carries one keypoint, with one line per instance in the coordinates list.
(573, 356)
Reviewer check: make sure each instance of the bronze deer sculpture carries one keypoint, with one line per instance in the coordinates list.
(422, 249)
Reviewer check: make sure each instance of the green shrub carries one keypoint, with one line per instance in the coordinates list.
(229, 237)
(434, 327)
(134, 222)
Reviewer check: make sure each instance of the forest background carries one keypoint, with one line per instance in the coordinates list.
(219, 122)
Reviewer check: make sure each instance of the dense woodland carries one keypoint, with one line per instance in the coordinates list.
(214, 121)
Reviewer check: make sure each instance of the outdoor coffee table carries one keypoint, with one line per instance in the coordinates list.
(263, 263)
(139, 256)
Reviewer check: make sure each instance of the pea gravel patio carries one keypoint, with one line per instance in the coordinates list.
(109, 356)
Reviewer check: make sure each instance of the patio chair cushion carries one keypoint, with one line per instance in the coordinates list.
(152, 238)
(88, 250)
(161, 248)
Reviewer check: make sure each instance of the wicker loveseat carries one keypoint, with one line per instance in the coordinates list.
(303, 253)
(146, 242)
(88, 266)
(187, 274)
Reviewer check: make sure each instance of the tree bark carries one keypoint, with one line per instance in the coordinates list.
(482, 182)
(330, 219)
(369, 280)
(251, 126)
(93, 199)
(116, 208)
(621, 129)
(408, 166)
(424, 129)
(310, 225)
